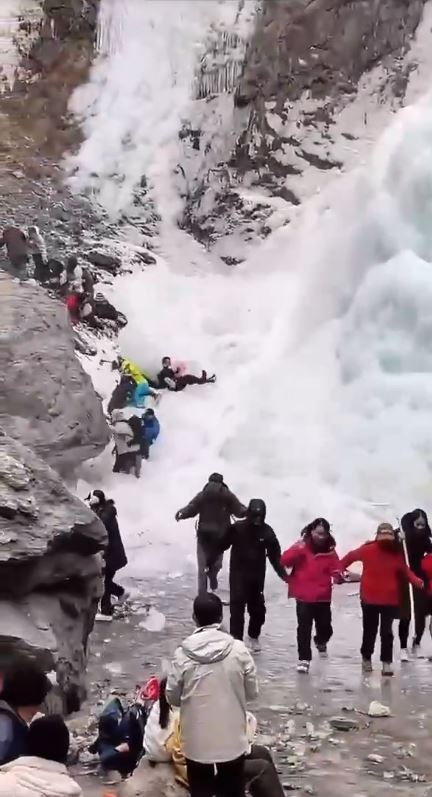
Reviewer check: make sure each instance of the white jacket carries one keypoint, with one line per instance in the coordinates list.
(123, 434)
(155, 736)
(212, 677)
(29, 776)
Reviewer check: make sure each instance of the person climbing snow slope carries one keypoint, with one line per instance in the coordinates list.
(214, 505)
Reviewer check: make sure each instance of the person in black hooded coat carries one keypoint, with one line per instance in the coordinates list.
(418, 541)
(122, 393)
(115, 555)
(252, 542)
(214, 504)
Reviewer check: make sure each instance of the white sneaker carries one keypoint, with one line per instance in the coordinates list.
(303, 666)
(103, 618)
(387, 668)
(404, 655)
(254, 645)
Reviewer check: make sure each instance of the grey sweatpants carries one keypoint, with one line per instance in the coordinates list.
(203, 554)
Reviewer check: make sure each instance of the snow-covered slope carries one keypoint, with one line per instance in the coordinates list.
(321, 339)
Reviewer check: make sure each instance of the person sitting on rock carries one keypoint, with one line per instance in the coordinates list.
(127, 444)
(16, 243)
(122, 394)
(37, 248)
(171, 378)
(41, 772)
(150, 431)
(115, 555)
(25, 687)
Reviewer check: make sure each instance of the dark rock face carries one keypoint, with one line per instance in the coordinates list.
(47, 401)
(302, 66)
(50, 568)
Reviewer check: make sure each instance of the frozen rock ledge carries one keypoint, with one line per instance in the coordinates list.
(50, 569)
(47, 401)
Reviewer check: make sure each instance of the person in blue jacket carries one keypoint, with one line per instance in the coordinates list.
(150, 431)
(141, 392)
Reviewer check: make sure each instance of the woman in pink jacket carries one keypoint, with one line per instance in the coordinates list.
(314, 564)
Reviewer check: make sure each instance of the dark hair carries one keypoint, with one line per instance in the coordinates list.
(207, 609)
(319, 521)
(165, 358)
(409, 519)
(24, 684)
(48, 737)
(136, 426)
(164, 706)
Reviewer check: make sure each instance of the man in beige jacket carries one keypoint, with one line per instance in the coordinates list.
(211, 679)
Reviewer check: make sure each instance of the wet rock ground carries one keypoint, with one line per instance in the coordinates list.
(317, 725)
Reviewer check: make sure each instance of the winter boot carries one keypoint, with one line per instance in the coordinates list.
(303, 667)
(366, 665)
(254, 645)
(322, 649)
(387, 668)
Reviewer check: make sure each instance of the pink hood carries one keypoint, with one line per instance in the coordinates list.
(312, 573)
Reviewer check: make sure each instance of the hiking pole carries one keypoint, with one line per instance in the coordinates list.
(410, 586)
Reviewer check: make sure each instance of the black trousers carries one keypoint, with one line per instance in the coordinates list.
(307, 615)
(188, 379)
(41, 271)
(421, 610)
(261, 774)
(375, 617)
(216, 780)
(110, 588)
(250, 597)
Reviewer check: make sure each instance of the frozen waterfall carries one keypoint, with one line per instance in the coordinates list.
(321, 340)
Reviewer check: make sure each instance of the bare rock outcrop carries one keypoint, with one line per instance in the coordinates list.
(50, 568)
(47, 401)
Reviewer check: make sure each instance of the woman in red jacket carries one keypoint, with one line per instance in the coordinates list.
(384, 572)
(314, 564)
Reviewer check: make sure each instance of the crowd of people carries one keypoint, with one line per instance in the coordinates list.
(27, 253)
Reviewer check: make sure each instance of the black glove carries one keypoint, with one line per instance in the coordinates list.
(178, 515)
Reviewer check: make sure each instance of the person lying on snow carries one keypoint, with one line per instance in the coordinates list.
(171, 378)
(150, 430)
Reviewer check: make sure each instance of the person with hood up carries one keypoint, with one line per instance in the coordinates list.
(418, 541)
(174, 380)
(384, 571)
(252, 542)
(214, 505)
(37, 249)
(25, 687)
(150, 431)
(122, 394)
(314, 565)
(212, 677)
(41, 772)
(15, 241)
(127, 444)
(115, 555)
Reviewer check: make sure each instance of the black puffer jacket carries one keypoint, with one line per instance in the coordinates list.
(115, 556)
(418, 542)
(214, 504)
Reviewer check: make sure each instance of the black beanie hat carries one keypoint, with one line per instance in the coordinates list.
(48, 737)
(216, 477)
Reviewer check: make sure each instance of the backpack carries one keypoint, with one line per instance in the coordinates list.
(117, 725)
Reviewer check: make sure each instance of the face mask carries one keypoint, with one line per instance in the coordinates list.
(94, 501)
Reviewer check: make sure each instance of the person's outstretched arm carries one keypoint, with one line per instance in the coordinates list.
(353, 556)
(274, 555)
(191, 510)
(236, 507)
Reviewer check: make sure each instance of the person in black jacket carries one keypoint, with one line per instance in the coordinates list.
(418, 541)
(252, 542)
(25, 687)
(115, 556)
(171, 379)
(122, 393)
(214, 504)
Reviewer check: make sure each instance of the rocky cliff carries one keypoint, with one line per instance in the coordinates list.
(50, 568)
(47, 401)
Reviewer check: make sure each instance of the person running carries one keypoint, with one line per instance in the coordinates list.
(417, 534)
(41, 772)
(252, 542)
(384, 570)
(212, 677)
(314, 566)
(115, 554)
(25, 687)
(214, 505)
(171, 378)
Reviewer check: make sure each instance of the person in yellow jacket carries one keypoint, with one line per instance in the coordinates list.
(131, 369)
